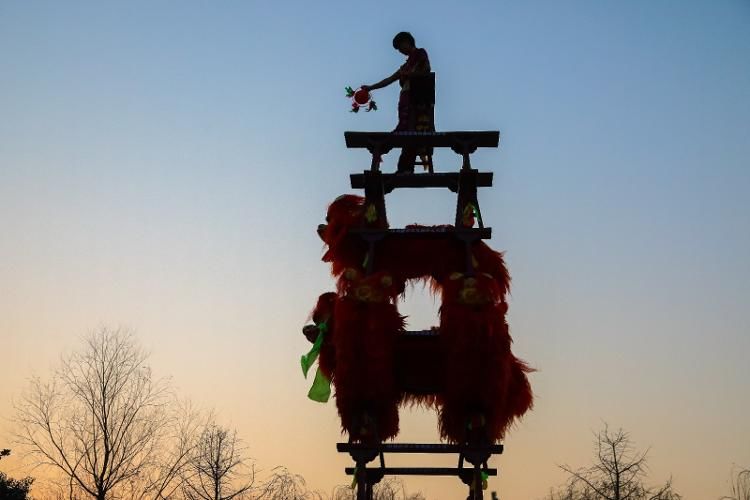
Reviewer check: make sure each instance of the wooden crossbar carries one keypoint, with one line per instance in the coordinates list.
(421, 471)
(366, 477)
(425, 232)
(448, 180)
(420, 334)
(459, 141)
(493, 449)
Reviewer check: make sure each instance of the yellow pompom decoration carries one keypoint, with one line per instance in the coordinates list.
(371, 214)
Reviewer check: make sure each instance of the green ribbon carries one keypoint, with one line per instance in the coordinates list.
(354, 479)
(321, 386)
(483, 476)
(309, 358)
(476, 213)
(320, 390)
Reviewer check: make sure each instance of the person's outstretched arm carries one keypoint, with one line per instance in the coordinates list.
(383, 83)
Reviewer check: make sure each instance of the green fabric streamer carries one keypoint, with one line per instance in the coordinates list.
(477, 214)
(309, 358)
(321, 388)
(485, 476)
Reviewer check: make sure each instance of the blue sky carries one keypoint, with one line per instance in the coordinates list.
(164, 165)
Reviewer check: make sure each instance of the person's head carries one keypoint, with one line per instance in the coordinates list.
(404, 43)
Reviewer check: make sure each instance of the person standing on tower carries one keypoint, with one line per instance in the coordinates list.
(414, 115)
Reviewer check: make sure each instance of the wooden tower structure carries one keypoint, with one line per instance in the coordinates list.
(370, 459)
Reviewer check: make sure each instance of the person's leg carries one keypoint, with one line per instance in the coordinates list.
(406, 161)
(425, 122)
(405, 123)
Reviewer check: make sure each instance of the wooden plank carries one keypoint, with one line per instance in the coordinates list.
(448, 180)
(493, 449)
(425, 232)
(418, 363)
(420, 333)
(388, 140)
(421, 471)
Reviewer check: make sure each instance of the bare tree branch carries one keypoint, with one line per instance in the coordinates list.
(104, 422)
(284, 485)
(618, 473)
(740, 485)
(217, 468)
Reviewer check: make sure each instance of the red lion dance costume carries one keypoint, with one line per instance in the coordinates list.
(480, 386)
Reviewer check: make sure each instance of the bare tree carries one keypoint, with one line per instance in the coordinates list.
(343, 492)
(104, 423)
(740, 485)
(166, 475)
(393, 488)
(285, 485)
(56, 490)
(218, 469)
(618, 473)
(389, 488)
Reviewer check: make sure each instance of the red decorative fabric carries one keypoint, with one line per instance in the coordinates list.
(479, 386)
(484, 383)
(366, 394)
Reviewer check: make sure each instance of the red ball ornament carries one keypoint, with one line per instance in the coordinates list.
(361, 97)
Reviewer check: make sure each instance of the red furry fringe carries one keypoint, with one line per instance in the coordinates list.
(480, 386)
(405, 260)
(366, 393)
(485, 385)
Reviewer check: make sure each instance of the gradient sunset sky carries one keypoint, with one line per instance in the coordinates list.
(163, 166)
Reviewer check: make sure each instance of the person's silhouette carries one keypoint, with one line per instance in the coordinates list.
(413, 115)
